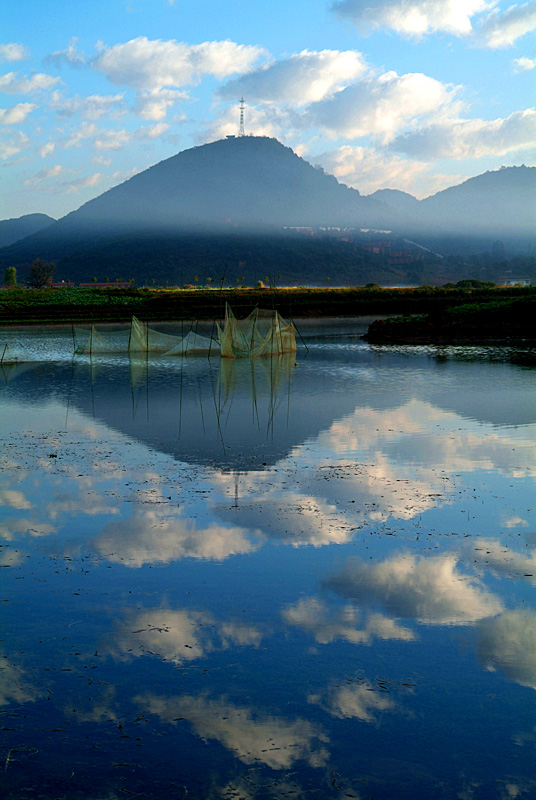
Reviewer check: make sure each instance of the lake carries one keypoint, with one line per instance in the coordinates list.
(271, 578)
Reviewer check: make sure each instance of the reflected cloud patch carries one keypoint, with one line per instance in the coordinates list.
(15, 686)
(328, 625)
(492, 553)
(177, 635)
(149, 537)
(12, 498)
(430, 590)
(251, 736)
(360, 701)
(508, 643)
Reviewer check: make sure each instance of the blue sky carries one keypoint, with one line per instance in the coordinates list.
(408, 94)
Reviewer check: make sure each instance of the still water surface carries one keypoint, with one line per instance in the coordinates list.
(266, 579)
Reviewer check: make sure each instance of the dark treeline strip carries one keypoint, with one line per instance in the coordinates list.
(82, 305)
(498, 320)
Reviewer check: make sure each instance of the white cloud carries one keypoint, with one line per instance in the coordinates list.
(303, 78)
(13, 52)
(381, 106)
(10, 147)
(16, 114)
(509, 643)
(107, 140)
(254, 738)
(265, 121)
(103, 161)
(10, 83)
(470, 138)
(150, 65)
(328, 625)
(71, 56)
(152, 131)
(431, 590)
(503, 30)
(71, 187)
(155, 104)
(524, 64)
(91, 108)
(47, 149)
(412, 18)
(368, 169)
(88, 130)
(45, 174)
(112, 140)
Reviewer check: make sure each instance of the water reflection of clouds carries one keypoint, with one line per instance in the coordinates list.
(502, 559)
(252, 736)
(508, 643)
(149, 537)
(327, 624)
(368, 467)
(13, 498)
(289, 516)
(420, 433)
(12, 527)
(15, 687)
(177, 635)
(431, 590)
(360, 701)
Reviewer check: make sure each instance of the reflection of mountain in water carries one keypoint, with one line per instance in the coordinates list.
(247, 413)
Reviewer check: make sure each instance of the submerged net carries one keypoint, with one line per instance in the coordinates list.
(146, 340)
(89, 341)
(142, 339)
(194, 344)
(263, 333)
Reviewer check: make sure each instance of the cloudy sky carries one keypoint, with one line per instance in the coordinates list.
(408, 94)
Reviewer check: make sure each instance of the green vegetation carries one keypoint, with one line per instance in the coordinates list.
(113, 304)
(497, 320)
(11, 276)
(41, 274)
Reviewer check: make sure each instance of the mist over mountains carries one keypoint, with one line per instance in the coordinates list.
(252, 202)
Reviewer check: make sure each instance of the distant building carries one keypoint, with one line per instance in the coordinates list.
(513, 281)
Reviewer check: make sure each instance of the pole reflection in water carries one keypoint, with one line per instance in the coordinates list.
(252, 579)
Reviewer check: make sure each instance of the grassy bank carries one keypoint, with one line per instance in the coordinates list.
(498, 320)
(107, 305)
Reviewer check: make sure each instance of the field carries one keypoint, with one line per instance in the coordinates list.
(107, 305)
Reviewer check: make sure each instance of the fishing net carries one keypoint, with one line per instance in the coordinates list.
(263, 333)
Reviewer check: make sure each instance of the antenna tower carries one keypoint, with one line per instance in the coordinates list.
(241, 131)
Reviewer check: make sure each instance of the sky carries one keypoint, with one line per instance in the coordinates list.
(415, 95)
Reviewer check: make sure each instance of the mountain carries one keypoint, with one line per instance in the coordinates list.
(12, 230)
(235, 204)
(502, 202)
(251, 182)
(397, 200)
(498, 204)
(202, 208)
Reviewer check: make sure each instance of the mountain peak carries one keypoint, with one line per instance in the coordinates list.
(251, 181)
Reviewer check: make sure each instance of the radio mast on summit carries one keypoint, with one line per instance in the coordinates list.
(241, 131)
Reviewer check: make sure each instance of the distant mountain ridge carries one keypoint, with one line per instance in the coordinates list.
(13, 230)
(502, 201)
(255, 186)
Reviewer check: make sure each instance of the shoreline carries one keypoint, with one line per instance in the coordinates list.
(29, 307)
